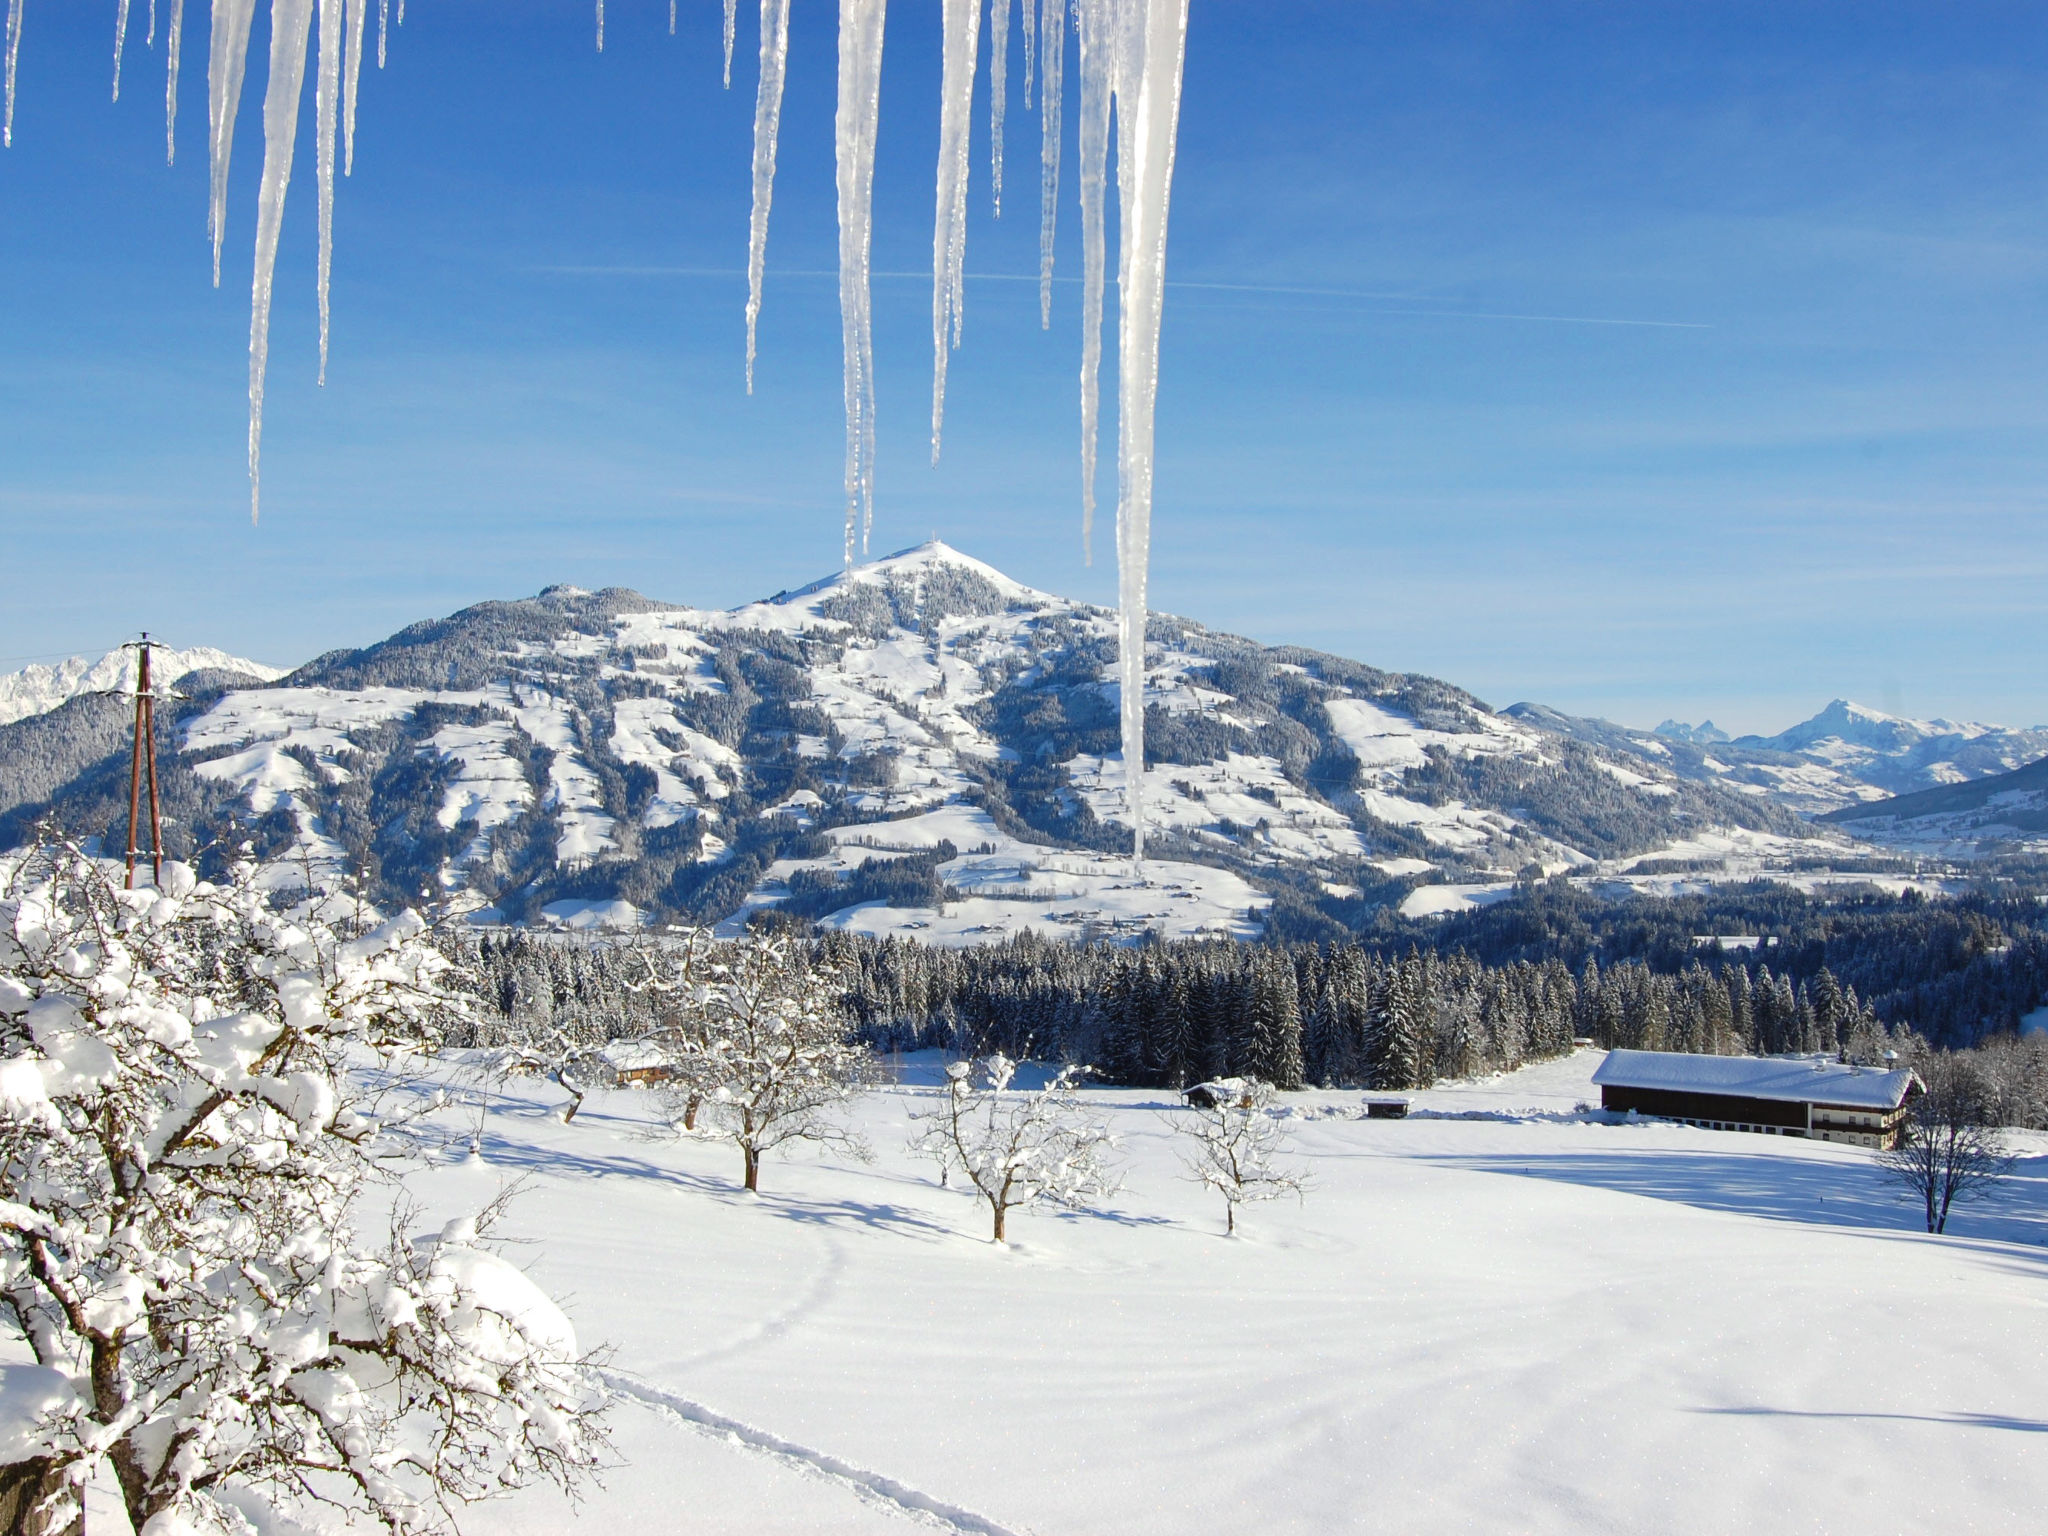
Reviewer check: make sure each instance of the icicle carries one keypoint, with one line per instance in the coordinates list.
(231, 19)
(949, 227)
(174, 38)
(600, 22)
(998, 89)
(352, 77)
(1031, 40)
(401, 12)
(860, 96)
(1094, 22)
(291, 22)
(1148, 120)
(120, 37)
(767, 124)
(383, 28)
(731, 20)
(671, 18)
(13, 53)
(326, 112)
(149, 37)
(1051, 90)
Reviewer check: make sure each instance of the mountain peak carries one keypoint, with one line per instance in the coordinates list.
(38, 689)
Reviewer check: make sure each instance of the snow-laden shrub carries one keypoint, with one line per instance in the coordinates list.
(182, 1143)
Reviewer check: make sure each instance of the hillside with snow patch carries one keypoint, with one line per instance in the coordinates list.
(920, 745)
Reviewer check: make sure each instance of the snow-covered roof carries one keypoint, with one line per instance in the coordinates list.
(635, 1055)
(1800, 1081)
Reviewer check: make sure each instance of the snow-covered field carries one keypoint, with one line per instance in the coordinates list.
(1494, 1315)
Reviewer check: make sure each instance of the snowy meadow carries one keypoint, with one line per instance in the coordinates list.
(1498, 1314)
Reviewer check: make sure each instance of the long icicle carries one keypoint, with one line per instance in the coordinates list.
(291, 22)
(1051, 91)
(326, 117)
(149, 37)
(120, 38)
(1095, 27)
(949, 224)
(731, 22)
(767, 125)
(1148, 122)
(230, 58)
(860, 97)
(1031, 40)
(383, 28)
(600, 25)
(998, 92)
(13, 54)
(351, 79)
(174, 38)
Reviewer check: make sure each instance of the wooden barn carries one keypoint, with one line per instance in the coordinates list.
(1776, 1096)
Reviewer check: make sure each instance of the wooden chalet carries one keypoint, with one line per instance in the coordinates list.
(1774, 1096)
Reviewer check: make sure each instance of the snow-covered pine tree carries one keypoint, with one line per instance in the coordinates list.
(183, 1144)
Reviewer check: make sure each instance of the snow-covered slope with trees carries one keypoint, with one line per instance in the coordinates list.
(919, 745)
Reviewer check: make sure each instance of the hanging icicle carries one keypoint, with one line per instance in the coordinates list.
(998, 88)
(13, 54)
(230, 57)
(1148, 122)
(731, 21)
(1095, 27)
(962, 23)
(120, 38)
(291, 22)
(352, 77)
(1051, 88)
(600, 23)
(767, 125)
(860, 98)
(383, 28)
(326, 117)
(174, 37)
(1031, 40)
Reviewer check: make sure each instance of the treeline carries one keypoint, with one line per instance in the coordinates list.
(1957, 971)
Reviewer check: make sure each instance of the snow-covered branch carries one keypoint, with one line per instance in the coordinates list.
(1234, 1144)
(183, 1138)
(1017, 1148)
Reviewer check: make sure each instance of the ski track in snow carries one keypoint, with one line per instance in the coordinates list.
(870, 1487)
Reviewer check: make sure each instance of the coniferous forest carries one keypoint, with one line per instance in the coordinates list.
(1482, 992)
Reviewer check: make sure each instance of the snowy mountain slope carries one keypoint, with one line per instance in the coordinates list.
(1845, 755)
(39, 689)
(921, 745)
(2003, 813)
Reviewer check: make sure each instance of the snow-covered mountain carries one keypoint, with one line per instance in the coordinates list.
(39, 689)
(1846, 755)
(920, 745)
(2001, 813)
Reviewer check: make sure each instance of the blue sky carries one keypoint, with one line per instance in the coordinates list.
(1684, 359)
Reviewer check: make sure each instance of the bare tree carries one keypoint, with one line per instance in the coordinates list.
(569, 1054)
(764, 1049)
(1234, 1142)
(1950, 1148)
(1017, 1148)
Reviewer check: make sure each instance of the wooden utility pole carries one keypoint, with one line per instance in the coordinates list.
(144, 755)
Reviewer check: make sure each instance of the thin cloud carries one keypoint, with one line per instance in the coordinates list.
(1279, 289)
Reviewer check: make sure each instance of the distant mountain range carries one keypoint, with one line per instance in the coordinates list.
(1848, 754)
(924, 746)
(38, 690)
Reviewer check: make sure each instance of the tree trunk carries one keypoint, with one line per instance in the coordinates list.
(1229, 1219)
(575, 1103)
(1001, 1211)
(690, 1114)
(753, 1170)
(35, 1501)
